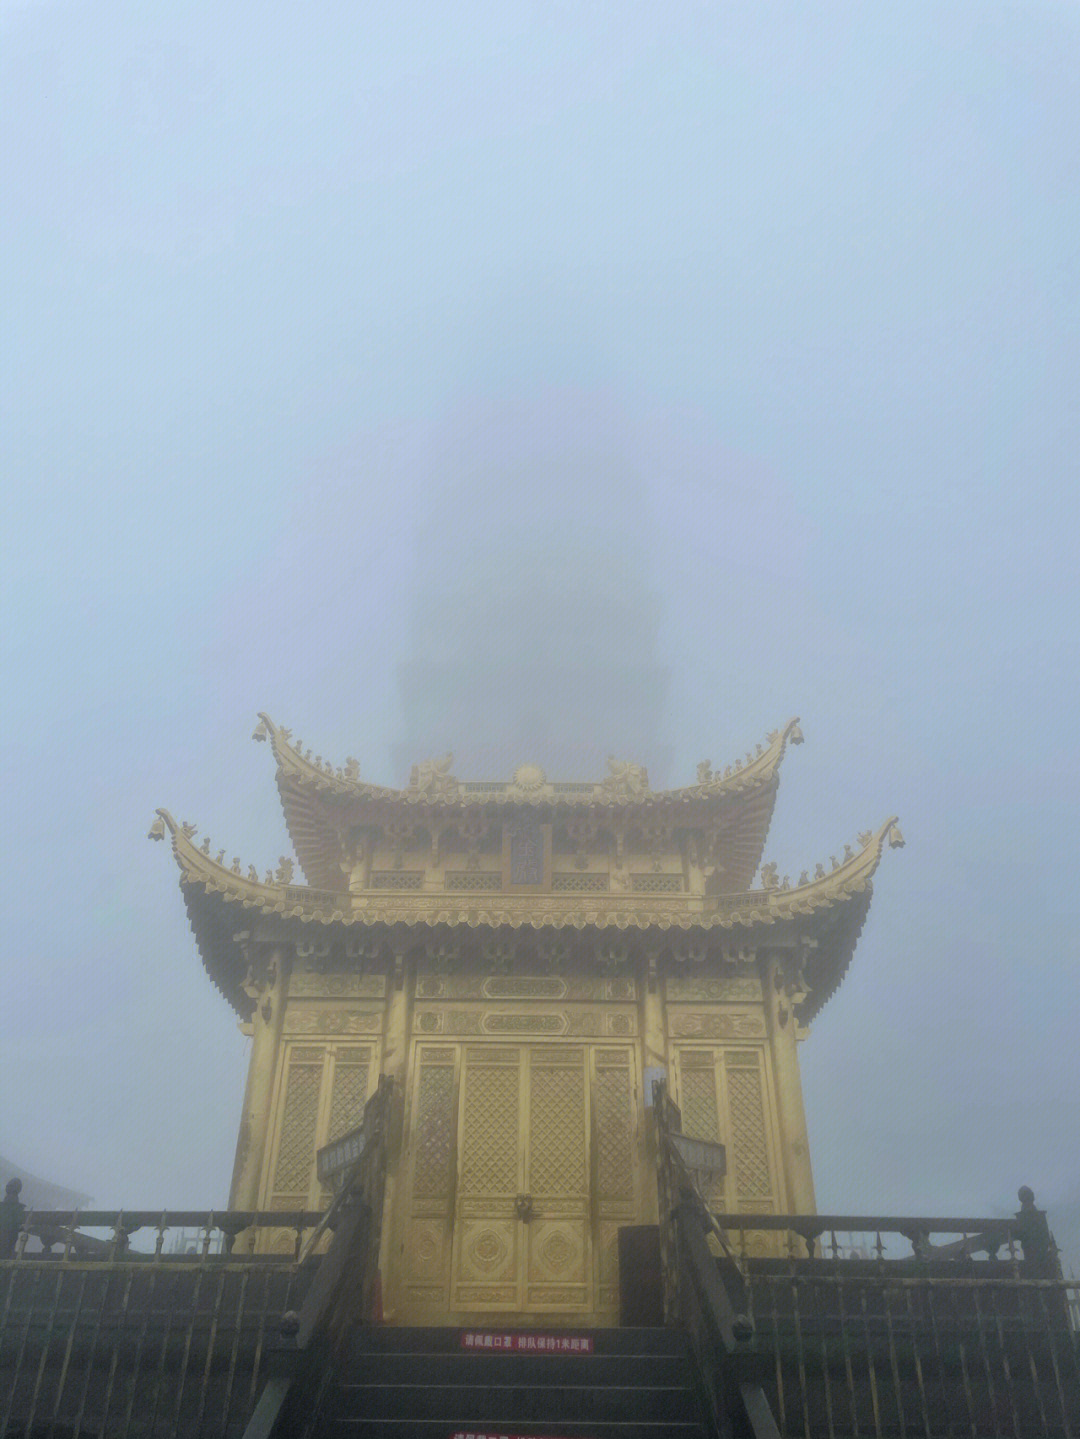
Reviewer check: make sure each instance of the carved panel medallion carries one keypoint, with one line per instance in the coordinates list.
(486, 1252)
(689, 989)
(524, 1024)
(330, 1021)
(311, 983)
(740, 1025)
(574, 987)
(425, 1250)
(523, 986)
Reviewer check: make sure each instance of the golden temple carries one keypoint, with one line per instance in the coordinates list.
(521, 957)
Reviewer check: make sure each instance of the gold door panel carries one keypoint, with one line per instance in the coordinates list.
(486, 1260)
(321, 1091)
(557, 1238)
(522, 1167)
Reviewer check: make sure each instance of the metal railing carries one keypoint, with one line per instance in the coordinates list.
(705, 1290)
(141, 1234)
(938, 1342)
(873, 1326)
(96, 1338)
(120, 1335)
(344, 1290)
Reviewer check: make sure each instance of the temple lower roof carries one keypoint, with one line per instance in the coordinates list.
(223, 903)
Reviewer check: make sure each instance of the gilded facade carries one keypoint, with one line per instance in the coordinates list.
(522, 957)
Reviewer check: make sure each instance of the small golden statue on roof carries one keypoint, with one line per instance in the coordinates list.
(626, 778)
(433, 777)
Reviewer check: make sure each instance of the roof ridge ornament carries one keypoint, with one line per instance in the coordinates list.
(433, 777)
(197, 863)
(759, 763)
(853, 872)
(626, 779)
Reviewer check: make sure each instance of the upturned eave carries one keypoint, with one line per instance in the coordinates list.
(345, 782)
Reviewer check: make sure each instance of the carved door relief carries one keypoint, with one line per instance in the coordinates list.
(724, 1095)
(523, 1168)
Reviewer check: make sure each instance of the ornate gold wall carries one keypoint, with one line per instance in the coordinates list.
(524, 1141)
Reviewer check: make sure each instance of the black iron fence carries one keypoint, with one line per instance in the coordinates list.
(829, 1326)
(135, 1234)
(118, 1323)
(97, 1338)
(937, 1343)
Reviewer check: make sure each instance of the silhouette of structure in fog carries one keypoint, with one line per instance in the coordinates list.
(535, 626)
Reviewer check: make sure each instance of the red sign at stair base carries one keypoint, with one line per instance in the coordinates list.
(525, 1342)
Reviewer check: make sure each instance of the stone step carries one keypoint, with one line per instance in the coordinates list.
(447, 1428)
(397, 1381)
(397, 1367)
(509, 1404)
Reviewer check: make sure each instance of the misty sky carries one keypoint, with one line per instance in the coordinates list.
(773, 311)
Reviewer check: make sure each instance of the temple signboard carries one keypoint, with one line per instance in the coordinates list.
(526, 852)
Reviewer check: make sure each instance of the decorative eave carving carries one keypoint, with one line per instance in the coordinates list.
(844, 878)
(834, 904)
(756, 768)
(295, 762)
(274, 894)
(277, 895)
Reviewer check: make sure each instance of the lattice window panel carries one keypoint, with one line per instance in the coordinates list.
(474, 879)
(613, 1137)
(656, 883)
(557, 1130)
(701, 1110)
(580, 883)
(350, 1091)
(746, 1106)
(434, 1132)
(296, 1146)
(489, 1160)
(397, 879)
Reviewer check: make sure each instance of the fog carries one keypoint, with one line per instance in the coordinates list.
(539, 381)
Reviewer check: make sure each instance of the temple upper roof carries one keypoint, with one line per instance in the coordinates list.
(322, 801)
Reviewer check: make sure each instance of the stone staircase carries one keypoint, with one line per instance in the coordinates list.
(398, 1382)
